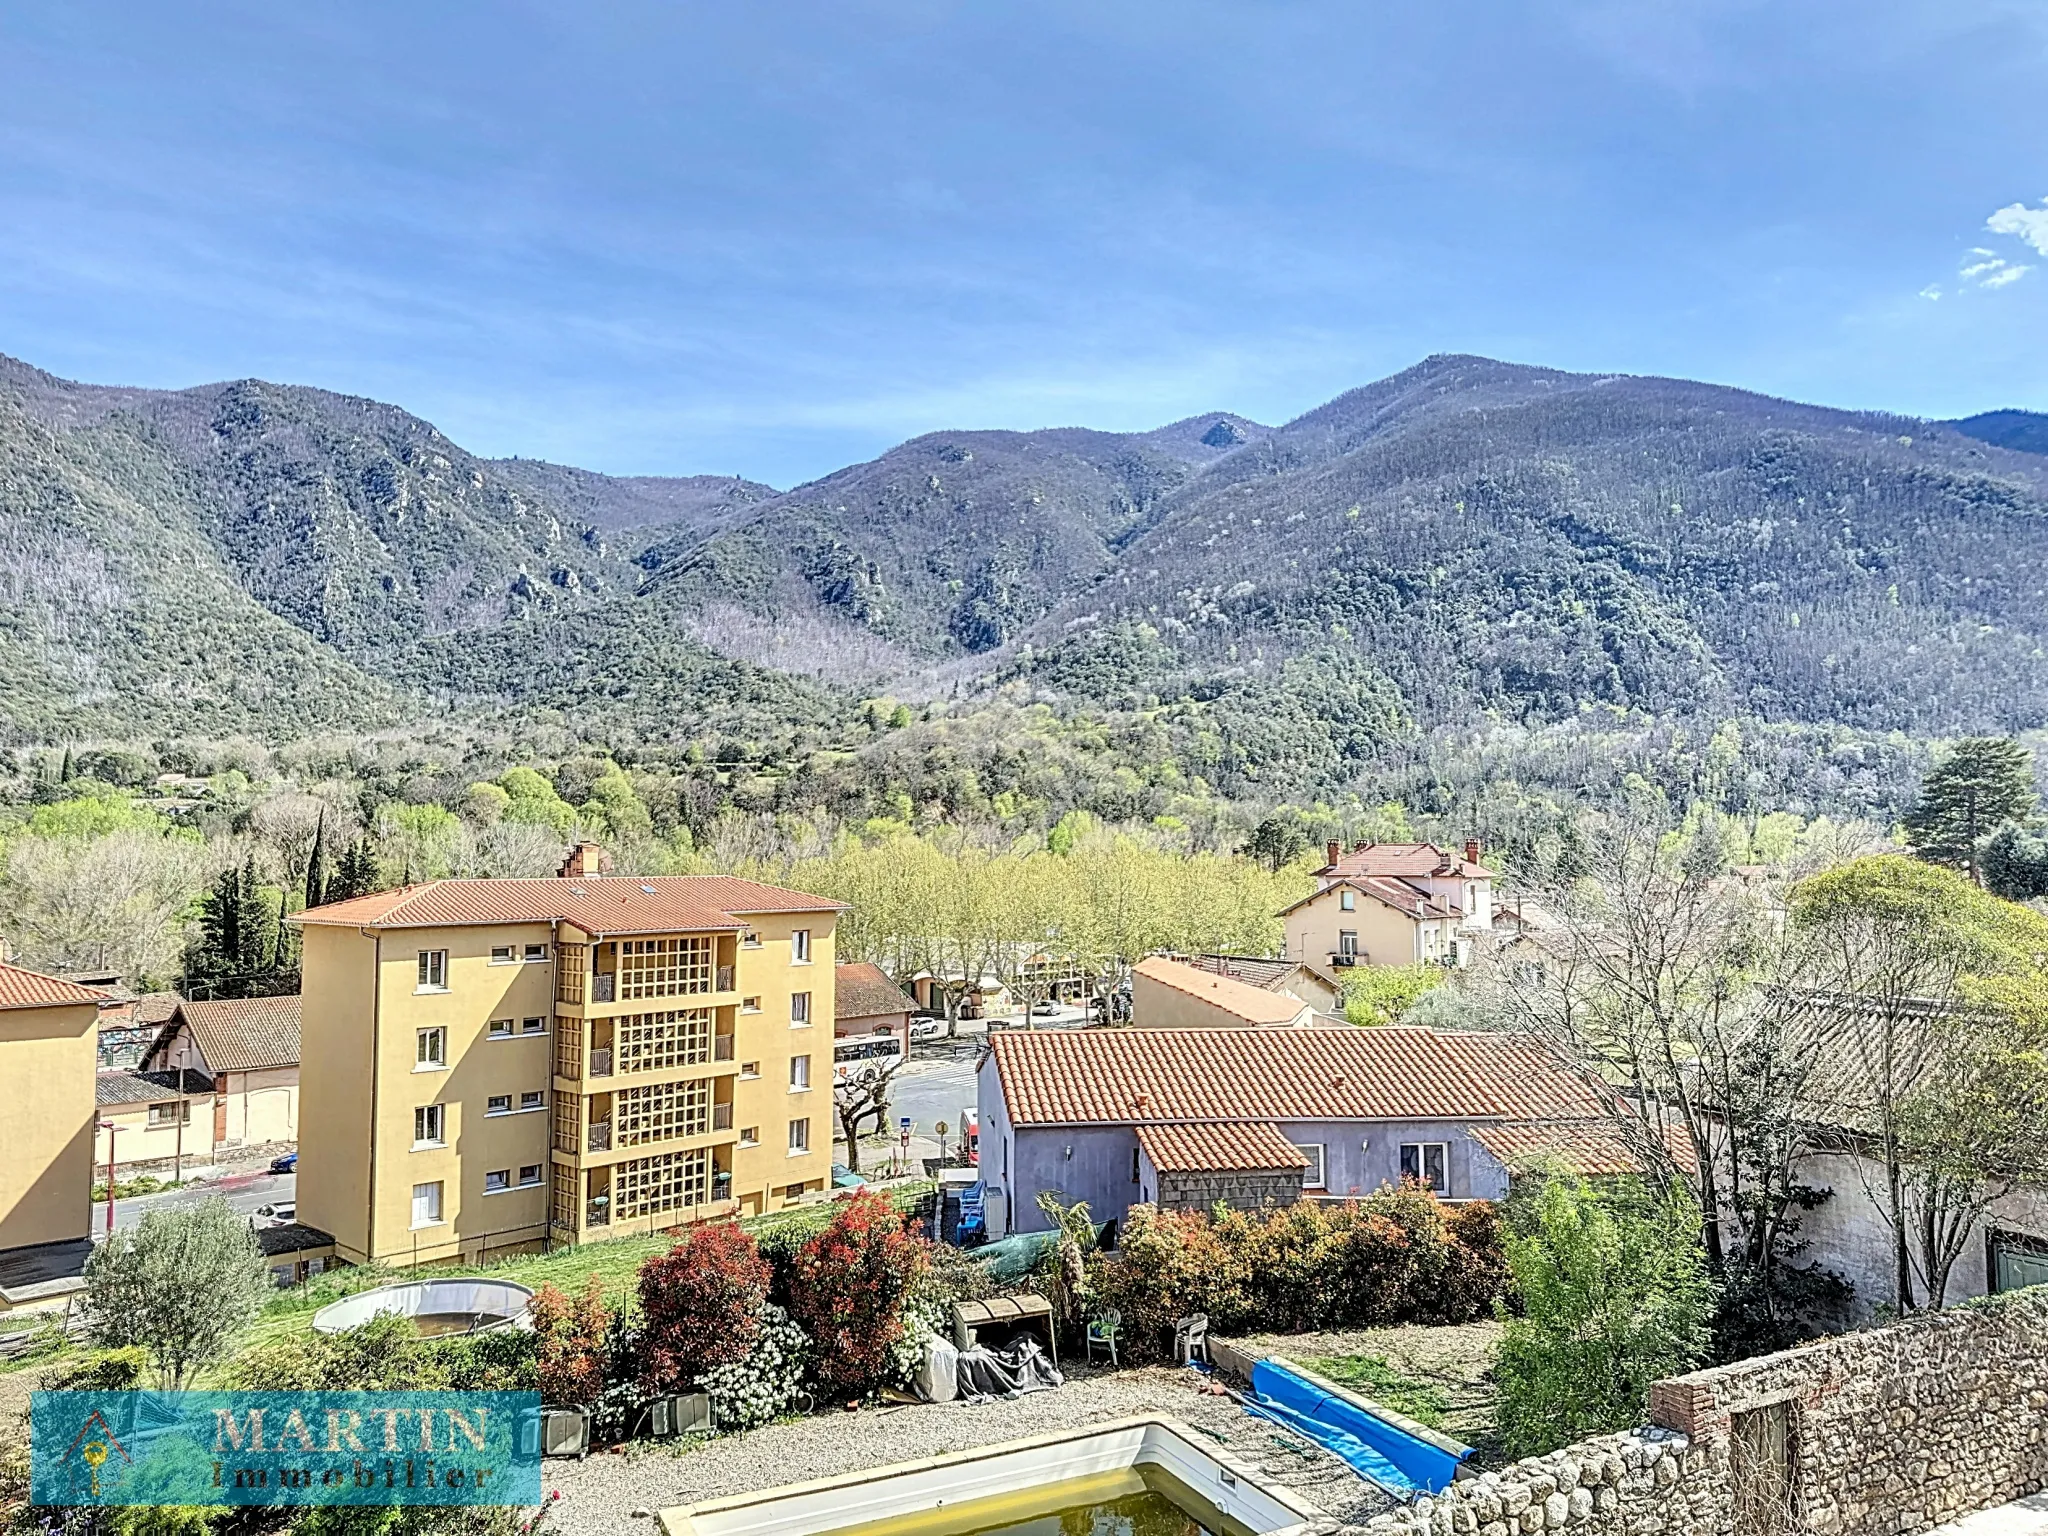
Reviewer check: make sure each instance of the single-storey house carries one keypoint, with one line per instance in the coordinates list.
(1167, 994)
(159, 1117)
(867, 1002)
(249, 1047)
(1250, 1116)
(1304, 982)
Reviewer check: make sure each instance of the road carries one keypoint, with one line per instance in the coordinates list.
(938, 1081)
(242, 1191)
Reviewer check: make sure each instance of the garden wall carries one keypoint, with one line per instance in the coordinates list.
(1890, 1431)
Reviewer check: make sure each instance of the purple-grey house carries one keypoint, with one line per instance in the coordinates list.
(1187, 1117)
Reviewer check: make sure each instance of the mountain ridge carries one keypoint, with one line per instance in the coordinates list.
(1466, 534)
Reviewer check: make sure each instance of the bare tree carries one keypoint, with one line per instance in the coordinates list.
(862, 1097)
(107, 903)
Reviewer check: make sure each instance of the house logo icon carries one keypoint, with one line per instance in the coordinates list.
(94, 1446)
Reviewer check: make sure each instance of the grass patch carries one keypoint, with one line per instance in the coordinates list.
(140, 1184)
(1376, 1379)
(616, 1262)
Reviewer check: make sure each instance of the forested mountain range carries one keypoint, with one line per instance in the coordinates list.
(1467, 537)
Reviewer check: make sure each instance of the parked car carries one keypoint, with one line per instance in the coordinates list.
(1045, 1007)
(289, 1163)
(927, 1029)
(281, 1215)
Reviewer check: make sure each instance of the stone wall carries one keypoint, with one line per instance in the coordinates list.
(1241, 1191)
(1889, 1432)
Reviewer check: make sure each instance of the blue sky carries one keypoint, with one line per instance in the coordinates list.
(772, 238)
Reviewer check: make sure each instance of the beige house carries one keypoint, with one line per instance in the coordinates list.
(1305, 983)
(869, 1003)
(249, 1049)
(1392, 904)
(48, 1045)
(506, 1063)
(151, 1120)
(1166, 994)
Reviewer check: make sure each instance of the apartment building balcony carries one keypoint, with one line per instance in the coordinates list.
(658, 1043)
(650, 1193)
(627, 975)
(620, 1124)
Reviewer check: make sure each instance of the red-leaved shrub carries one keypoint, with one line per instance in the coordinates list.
(700, 1306)
(848, 1285)
(570, 1343)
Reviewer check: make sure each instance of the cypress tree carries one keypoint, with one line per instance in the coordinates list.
(316, 864)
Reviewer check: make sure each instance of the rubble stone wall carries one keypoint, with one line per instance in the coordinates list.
(1887, 1432)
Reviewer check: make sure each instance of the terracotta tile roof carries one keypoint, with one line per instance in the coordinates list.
(1398, 894)
(246, 1033)
(1252, 1004)
(1135, 1076)
(1589, 1148)
(1403, 861)
(115, 1088)
(1240, 1148)
(861, 990)
(608, 904)
(32, 989)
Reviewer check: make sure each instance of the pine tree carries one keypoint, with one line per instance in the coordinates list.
(68, 770)
(316, 864)
(1984, 783)
(355, 873)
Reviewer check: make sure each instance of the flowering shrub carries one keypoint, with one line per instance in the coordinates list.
(762, 1387)
(571, 1343)
(1394, 1257)
(700, 1306)
(848, 1288)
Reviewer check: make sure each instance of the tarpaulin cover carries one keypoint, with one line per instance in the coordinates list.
(1018, 1367)
(1370, 1445)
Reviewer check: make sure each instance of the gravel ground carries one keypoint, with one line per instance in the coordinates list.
(601, 1495)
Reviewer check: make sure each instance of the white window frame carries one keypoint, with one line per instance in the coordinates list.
(429, 1126)
(176, 1118)
(499, 1029)
(1422, 1164)
(504, 954)
(1317, 1174)
(800, 1137)
(430, 1049)
(539, 1175)
(504, 1184)
(533, 953)
(799, 1074)
(433, 971)
(498, 1104)
(1347, 942)
(534, 1026)
(427, 1197)
(532, 1100)
(799, 1010)
(799, 946)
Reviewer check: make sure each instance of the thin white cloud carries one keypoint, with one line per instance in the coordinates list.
(2005, 275)
(1931, 291)
(2028, 224)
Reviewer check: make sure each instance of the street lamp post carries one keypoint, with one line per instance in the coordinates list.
(111, 1129)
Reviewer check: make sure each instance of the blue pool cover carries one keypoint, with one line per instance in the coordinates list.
(1369, 1444)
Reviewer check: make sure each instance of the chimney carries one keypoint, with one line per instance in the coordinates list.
(1360, 846)
(1332, 852)
(586, 861)
(1471, 850)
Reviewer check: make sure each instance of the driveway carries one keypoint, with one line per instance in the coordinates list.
(242, 1191)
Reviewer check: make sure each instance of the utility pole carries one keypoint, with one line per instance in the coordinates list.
(111, 1129)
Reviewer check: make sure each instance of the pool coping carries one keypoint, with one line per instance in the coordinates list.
(680, 1520)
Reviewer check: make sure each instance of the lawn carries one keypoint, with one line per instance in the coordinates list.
(1372, 1376)
(1439, 1376)
(616, 1263)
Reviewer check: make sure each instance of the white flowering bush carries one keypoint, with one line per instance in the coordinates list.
(764, 1386)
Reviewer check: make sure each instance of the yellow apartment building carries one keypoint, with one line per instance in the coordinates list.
(49, 1050)
(488, 1064)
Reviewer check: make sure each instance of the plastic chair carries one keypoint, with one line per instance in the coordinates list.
(1103, 1331)
(1191, 1339)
